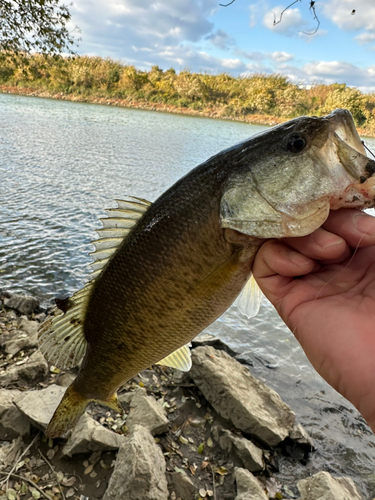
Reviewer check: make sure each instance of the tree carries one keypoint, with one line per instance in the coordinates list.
(34, 26)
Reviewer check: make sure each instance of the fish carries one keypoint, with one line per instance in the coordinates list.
(164, 271)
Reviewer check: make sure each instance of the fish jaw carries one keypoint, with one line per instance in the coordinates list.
(353, 171)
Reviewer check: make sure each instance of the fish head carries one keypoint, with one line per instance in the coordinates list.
(283, 182)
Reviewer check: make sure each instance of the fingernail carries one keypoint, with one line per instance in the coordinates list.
(363, 222)
(298, 258)
(329, 240)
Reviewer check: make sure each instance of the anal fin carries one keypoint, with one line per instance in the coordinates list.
(180, 359)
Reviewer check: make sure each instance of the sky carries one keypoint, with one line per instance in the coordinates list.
(240, 39)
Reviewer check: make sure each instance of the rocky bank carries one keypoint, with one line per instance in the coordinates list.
(213, 433)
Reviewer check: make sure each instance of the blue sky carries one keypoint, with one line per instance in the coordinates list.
(240, 39)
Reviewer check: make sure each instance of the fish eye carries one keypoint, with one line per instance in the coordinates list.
(296, 144)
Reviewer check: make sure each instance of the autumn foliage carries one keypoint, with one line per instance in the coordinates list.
(221, 95)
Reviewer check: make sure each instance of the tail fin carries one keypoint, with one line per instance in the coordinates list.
(71, 408)
(67, 413)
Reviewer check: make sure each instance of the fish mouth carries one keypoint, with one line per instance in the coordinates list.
(352, 156)
(342, 125)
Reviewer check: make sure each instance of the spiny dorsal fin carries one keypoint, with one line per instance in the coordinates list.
(116, 227)
(180, 359)
(61, 337)
(248, 301)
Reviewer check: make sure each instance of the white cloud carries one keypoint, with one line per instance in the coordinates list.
(124, 23)
(221, 39)
(329, 72)
(288, 22)
(365, 38)
(340, 12)
(281, 56)
(257, 11)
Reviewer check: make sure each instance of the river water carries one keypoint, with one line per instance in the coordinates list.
(62, 163)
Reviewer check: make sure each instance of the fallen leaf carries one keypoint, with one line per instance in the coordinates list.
(68, 482)
(95, 457)
(192, 469)
(35, 493)
(70, 493)
(201, 448)
(20, 464)
(89, 469)
(24, 488)
(11, 494)
(60, 477)
(222, 471)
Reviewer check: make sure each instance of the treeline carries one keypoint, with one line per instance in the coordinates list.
(222, 95)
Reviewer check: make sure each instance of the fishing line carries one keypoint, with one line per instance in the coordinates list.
(346, 266)
(367, 149)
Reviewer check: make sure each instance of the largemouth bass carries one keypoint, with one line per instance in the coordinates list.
(165, 271)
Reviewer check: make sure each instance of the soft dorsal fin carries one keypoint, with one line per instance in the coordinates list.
(61, 337)
(248, 301)
(180, 359)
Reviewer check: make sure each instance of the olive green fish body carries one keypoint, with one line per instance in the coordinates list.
(165, 271)
(189, 275)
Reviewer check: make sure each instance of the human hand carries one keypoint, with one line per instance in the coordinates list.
(323, 287)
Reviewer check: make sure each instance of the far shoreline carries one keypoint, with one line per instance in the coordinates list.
(256, 119)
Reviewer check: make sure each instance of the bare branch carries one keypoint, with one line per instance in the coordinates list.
(226, 5)
(312, 8)
(281, 14)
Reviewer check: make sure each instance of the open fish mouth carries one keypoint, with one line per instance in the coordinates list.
(353, 158)
(342, 125)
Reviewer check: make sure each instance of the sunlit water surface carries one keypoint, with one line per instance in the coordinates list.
(61, 163)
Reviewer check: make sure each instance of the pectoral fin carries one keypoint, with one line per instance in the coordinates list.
(180, 359)
(248, 301)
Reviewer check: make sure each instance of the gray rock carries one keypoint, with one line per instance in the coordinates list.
(20, 340)
(204, 339)
(248, 486)
(301, 436)
(22, 304)
(323, 486)
(140, 469)
(250, 455)
(40, 317)
(29, 326)
(89, 435)
(12, 422)
(236, 395)
(126, 397)
(39, 406)
(181, 484)
(145, 411)
(65, 379)
(31, 371)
